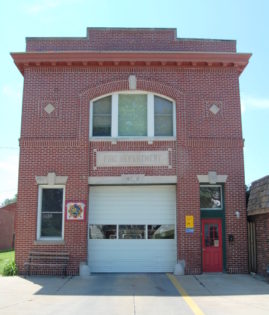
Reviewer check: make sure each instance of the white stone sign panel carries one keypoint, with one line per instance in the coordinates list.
(132, 158)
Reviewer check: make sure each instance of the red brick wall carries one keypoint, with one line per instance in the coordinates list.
(130, 39)
(60, 143)
(7, 226)
(262, 242)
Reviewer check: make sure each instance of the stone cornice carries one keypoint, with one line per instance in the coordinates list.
(127, 58)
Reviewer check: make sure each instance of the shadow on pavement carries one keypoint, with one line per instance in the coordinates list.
(150, 285)
(106, 284)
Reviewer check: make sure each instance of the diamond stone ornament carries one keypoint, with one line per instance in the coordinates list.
(49, 108)
(214, 109)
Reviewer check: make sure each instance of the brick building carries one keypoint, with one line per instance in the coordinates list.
(131, 152)
(7, 226)
(258, 217)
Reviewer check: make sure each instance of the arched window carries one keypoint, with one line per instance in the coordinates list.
(127, 114)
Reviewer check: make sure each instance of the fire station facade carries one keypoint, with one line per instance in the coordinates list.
(131, 152)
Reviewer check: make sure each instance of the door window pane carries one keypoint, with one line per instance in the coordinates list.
(163, 117)
(103, 231)
(211, 235)
(102, 117)
(132, 115)
(131, 231)
(166, 231)
(210, 197)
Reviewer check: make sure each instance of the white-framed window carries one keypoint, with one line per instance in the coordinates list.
(211, 197)
(130, 114)
(50, 214)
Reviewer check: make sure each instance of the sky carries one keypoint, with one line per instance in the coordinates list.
(246, 21)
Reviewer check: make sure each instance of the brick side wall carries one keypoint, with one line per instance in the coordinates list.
(7, 226)
(135, 39)
(60, 143)
(262, 242)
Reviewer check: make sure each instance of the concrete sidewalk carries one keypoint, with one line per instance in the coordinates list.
(224, 294)
(139, 294)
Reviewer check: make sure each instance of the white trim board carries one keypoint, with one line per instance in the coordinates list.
(127, 179)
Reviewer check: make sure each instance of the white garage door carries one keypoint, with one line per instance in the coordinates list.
(132, 229)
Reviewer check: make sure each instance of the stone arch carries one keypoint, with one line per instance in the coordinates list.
(123, 85)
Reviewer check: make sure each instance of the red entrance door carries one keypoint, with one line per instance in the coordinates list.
(212, 245)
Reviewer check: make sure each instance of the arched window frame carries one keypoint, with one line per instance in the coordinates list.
(150, 117)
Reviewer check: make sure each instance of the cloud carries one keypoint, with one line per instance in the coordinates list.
(12, 92)
(40, 6)
(9, 163)
(253, 103)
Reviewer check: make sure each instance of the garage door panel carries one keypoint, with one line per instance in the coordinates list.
(139, 205)
(132, 205)
(132, 255)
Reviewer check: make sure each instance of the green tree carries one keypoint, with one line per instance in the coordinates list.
(8, 201)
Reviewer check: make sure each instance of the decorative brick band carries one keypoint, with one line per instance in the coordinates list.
(213, 143)
(35, 142)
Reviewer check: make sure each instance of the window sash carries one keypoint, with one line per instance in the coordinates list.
(51, 224)
(44, 234)
(101, 117)
(163, 117)
(149, 128)
(132, 115)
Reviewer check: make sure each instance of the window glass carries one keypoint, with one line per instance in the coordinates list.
(163, 117)
(51, 212)
(166, 231)
(103, 231)
(210, 197)
(211, 235)
(51, 225)
(131, 231)
(132, 115)
(102, 117)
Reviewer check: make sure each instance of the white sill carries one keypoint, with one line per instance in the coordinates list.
(49, 242)
(133, 139)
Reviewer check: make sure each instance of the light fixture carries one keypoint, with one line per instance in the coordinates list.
(237, 214)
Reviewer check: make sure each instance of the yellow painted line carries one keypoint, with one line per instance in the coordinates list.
(193, 306)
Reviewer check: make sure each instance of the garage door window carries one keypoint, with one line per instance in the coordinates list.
(103, 231)
(166, 231)
(131, 231)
